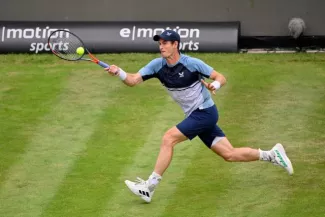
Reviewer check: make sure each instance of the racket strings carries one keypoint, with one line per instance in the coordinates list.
(65, 45)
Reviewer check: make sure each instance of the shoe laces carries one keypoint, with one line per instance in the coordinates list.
(140, 181)
(273, 160)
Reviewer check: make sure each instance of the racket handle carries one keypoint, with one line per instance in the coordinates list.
(102, 64)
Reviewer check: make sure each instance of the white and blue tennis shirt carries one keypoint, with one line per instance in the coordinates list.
(182, 81)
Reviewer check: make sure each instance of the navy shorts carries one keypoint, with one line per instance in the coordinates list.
(202, 123)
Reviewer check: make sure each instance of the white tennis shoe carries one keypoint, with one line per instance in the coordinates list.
(281, 158)
(141, 188)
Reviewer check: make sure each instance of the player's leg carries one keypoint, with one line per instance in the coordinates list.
(224, 149)
(218, 142)
(198, 122)
(146, 188)
(172, 137)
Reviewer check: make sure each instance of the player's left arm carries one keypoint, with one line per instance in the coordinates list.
(207, 71)
(219, 80)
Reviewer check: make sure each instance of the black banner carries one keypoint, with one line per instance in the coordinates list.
(116, 37)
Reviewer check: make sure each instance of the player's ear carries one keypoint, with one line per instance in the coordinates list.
(176, 44)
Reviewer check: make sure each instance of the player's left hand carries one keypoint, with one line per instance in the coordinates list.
(209, 86)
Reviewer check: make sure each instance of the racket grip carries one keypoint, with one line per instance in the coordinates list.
(102, 64)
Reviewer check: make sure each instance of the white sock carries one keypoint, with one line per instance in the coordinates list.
(265, 155)
(154, 180)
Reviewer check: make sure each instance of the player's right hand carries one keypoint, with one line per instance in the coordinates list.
(113, 70)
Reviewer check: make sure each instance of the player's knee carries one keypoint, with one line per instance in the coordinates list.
(228, 156)
(168, 140)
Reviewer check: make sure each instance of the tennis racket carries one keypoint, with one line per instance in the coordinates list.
(64, 44)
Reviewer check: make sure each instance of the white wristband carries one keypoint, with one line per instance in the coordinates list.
(216, 84)
(122, 74)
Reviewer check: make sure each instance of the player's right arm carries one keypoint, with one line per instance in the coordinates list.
(132, 79)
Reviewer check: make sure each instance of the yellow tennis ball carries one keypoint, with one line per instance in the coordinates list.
(80, 50)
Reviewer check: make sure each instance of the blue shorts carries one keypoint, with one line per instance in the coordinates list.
(202, 123)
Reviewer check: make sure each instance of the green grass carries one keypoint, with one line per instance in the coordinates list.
(70, 135)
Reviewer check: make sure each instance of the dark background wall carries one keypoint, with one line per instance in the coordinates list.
(257, 17)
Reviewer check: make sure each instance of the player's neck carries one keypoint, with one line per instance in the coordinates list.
(173, 59)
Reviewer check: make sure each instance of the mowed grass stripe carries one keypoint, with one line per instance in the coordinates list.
(122, 130)
(303, 131)
(26, 94)
(209, 178)
(281, 119)
(257, 187)
(125, 203)
(55, 144)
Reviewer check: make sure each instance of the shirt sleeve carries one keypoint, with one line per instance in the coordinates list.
(201, 67)
(151, 69)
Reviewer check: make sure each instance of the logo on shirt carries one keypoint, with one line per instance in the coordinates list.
(181, 74)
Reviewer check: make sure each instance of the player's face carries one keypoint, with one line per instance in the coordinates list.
(167, 48)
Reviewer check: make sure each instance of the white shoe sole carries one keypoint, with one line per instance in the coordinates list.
(283, 158)
(130, 184)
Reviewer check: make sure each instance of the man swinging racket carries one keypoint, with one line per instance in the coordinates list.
(182, 76)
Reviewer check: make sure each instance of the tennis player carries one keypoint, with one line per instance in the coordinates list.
(184, 78)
